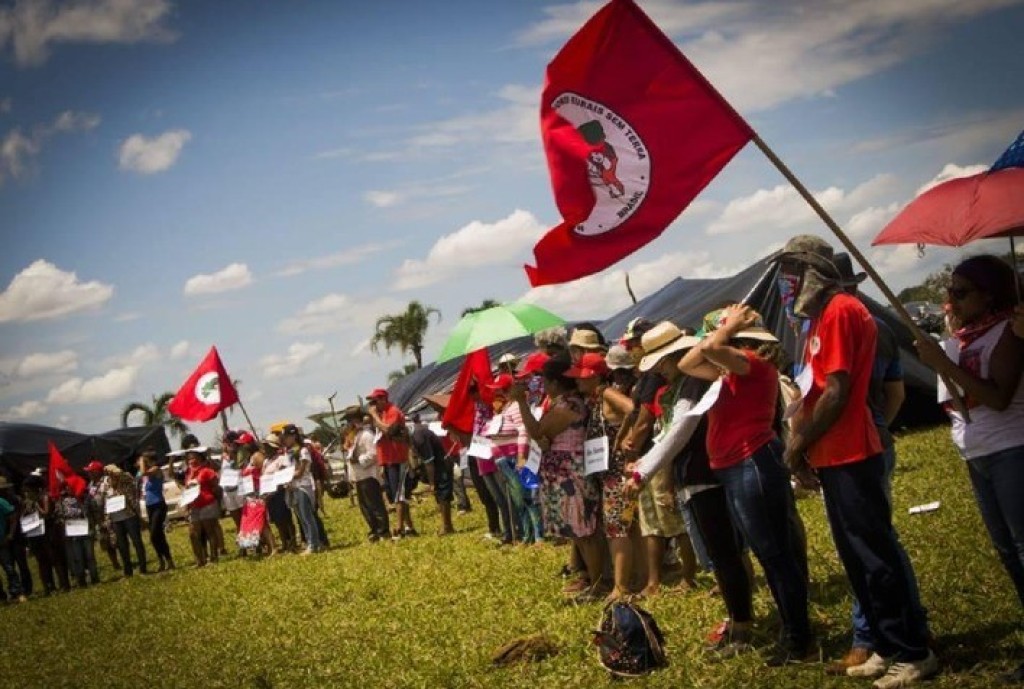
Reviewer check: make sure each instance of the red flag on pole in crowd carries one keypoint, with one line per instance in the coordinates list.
(60, 472)
(632, 132)
(206, 392)
(461, 410)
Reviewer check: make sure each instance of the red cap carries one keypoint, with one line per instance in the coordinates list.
(379, 392)
(590, 364)
(245, 438)
(95, 466)
(532, 364)
(502, 382)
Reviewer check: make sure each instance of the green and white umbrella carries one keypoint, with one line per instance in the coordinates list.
(494, 325)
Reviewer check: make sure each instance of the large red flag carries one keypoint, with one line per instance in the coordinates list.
(461, 410)
(60, 472)
(632, 132)
(206, 392)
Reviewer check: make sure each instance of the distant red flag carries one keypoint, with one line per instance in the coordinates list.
(461, 411)
(632, 132)
(206, 392)
(60, 472)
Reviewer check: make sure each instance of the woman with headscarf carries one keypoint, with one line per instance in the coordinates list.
(204, 511)
(985, 358)
(570, 504)
(746, 456)
(121, 505)
(607, 408)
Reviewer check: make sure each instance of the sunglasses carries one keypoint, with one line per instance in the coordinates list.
(959, 293)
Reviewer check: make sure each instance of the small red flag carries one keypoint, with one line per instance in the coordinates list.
(632, 132)
(60, 472)
(206, 392)
(461, 410)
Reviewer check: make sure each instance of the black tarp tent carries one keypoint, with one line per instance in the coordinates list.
(25, 447)
(684, 302)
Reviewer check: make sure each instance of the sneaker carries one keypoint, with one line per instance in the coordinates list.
(857, 655)
(905, 674)
(409, 531)
(732, 643)
(719, 634)
(786, 653)
(875, 666)
(307, 551)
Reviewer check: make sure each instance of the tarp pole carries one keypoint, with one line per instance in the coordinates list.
(923, 338)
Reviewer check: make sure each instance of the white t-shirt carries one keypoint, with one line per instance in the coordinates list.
(989, 431)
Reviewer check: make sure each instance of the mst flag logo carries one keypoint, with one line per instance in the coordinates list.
(208, 388)
(618, 166)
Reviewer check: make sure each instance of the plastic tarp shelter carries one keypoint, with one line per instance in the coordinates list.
(684, 302)
(25, 447)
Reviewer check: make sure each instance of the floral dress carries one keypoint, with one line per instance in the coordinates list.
(570, 503)
(617, 510)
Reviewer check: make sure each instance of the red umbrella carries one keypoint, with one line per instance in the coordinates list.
(989, 204)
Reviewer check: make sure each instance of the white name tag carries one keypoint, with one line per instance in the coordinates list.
(246, 485)
(36, 532)
(229, 477)
(494, 425)
(481, 448)
(115, 503)
(436, 428)
(533, 459)
(595, 455)
(464, 460)
(188, 496)
(76, 527)
(537, 412)
(708, 400)
(30, 522)
(267, 484)
(284, 476)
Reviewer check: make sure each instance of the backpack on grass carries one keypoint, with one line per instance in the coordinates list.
(629, 642)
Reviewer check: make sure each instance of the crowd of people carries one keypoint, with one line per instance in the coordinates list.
(689, 440)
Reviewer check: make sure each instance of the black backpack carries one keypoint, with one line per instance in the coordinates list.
(629, 642)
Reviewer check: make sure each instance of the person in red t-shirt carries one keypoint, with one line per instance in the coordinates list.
(746, 456)
(834, 434)
(393, 455)
(204, 511)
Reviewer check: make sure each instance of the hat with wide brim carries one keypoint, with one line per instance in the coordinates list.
(585, 339)
(662, 340)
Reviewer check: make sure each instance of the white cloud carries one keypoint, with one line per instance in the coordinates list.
(783, 208)
(335, 311)
(763, 54)
(179, 350)
(138, 357)
(361, 347)
(25, 410)
(382, 199)
(960, 136)
(111, 385)
(127, 317)
(475, 245)
(32, 26)
(46, 363)
(291, 363)
(951, 171)
(598, 295)
(149, 156)
(42, 290)
(315, 403)
(233, 276)
(18, 150)
(341, 258)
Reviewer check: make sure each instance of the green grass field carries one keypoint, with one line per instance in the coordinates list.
(428, 612)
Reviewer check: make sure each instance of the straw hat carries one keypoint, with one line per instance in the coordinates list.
(619, 357)
(585, 339)
(716, 319)
(662, 340)
(273, 440)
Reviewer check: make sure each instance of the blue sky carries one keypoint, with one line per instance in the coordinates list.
(270, 177)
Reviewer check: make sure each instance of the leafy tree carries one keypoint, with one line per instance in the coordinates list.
(398, 374)
(484, 305)
(933, 289)
(404, 331)
(155, 414)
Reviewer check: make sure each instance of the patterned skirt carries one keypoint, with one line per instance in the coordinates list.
(570, 503)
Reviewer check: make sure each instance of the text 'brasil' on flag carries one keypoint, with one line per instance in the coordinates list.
(632, 133)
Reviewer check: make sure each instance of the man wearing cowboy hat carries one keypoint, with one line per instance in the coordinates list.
(8, 524)
(835, 435)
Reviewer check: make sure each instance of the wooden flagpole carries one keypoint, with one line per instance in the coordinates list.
(919, 334)
(247, 419)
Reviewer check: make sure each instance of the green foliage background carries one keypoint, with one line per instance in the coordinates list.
(428, 612)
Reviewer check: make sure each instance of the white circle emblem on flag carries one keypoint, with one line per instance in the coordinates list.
(618, 164)
(208, 388)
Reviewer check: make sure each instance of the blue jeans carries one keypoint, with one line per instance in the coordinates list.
(760, 500)
(696, 538)
(515, 491)
(306, 513)
(998, 482)
(495, 483)
(860, 517)
(862, 636)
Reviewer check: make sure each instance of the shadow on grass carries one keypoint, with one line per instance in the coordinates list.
(963, 651)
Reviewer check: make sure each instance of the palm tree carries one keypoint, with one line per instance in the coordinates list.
(398, 374)
(155, 415)
(406, 330)
(484, 305)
